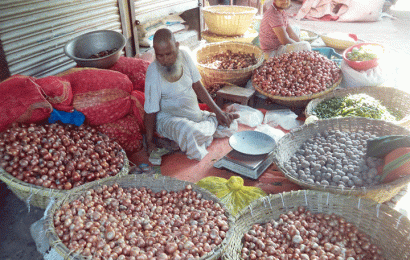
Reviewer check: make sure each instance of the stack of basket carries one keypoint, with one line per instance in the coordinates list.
(229, 23)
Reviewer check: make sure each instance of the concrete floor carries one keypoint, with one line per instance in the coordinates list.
(16, 242)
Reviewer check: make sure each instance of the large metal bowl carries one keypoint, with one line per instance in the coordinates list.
(82, 47)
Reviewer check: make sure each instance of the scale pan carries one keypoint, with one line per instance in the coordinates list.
(252, 142)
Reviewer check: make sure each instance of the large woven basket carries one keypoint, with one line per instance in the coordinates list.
(300, 101)
(395, 100)
(154, 182)
(386, 228)
(290, 143)
(247, 37)
(39, 196)
(238, 76)
(228, 20)
(337, 43)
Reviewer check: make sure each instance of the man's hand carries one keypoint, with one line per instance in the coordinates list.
(226, 119)
(151, 147)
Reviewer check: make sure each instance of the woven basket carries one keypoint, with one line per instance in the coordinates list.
(397, 101)
(238, 76)
(297, 101)
(39, 196)
(247, 37)
(228, 20)
(337, 43)
(386, 228)
(290, 143)
(155, 182)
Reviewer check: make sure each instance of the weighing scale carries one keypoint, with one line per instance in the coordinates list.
(251, 155)
(251, 166)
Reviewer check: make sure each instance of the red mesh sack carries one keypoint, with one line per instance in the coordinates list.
(58, 92)
(21, 101)
(137, 107)
(103, 96)
(135, 69)
(125, 131)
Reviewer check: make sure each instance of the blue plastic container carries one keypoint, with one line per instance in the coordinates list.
(330, 53)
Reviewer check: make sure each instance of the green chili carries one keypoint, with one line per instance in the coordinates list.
(360, 105)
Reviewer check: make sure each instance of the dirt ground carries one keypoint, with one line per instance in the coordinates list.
(16, 242)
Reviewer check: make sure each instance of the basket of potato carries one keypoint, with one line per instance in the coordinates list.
(330, 155)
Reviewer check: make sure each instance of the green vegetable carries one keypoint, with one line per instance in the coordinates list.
(360, 105)
(364, 53)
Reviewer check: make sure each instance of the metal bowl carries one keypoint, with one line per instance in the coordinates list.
(252, 142)
(81, 48)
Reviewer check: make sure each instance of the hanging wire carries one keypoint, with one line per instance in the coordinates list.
(398, 221)
(306, 199)
(283, 202)
(29, 198)
(377, 209)
(251, 210)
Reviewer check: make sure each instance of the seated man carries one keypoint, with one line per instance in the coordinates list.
(276, 36)
(172, 89)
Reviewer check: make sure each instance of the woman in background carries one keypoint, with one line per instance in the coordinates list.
(276, 36)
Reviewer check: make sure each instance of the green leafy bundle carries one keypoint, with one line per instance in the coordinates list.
(359, 105)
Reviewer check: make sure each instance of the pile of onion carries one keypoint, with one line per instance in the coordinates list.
(110, 222)
(296, 74)
(58, 156)
(229, 60)
(302, 235)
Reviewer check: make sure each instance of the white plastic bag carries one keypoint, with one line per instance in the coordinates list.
(223, 131)
(247, 115)
(284, 118)
(275, 133)
(369, 78)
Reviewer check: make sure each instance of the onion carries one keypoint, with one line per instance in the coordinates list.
(101, 221)
(54, 150)
(303, 235)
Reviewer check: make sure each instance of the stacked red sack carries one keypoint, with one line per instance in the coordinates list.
(21, 100)
(112, 100)
(135, 69)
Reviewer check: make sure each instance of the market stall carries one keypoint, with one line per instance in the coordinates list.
(312, 179)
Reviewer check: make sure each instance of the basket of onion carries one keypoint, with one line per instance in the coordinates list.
(141, 216)
(331, 155)
(316, 225)
(231, 62)
(384, 103)
(40, 162)
(293, 79)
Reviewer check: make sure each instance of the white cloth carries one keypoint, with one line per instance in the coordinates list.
(192, 137)
(297, 46)
(179, 117)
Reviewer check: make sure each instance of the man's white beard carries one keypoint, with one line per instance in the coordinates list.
(174, 72)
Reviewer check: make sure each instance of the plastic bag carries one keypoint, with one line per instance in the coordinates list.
(284, 118)
(276, 134)
(233, 194)
(380, 146)
(353, 79)
(247, 115)
(222, 131)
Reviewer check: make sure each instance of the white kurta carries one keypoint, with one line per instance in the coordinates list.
(178, 115)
